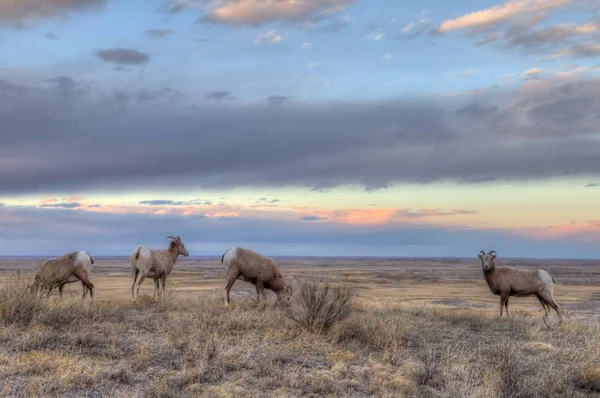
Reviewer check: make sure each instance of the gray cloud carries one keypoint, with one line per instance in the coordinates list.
(158, 33)
(51, 36)
(313, 218)
(56, 137)
(277, 99)
(592, 185)
(123, 97)
(69, 205)
(123, 56)
(590, 49)
(567, 40)
(163, 202)
(220, 96)
(15, 13)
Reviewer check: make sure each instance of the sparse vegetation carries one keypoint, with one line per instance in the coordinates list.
(319, 305)
(194, 346)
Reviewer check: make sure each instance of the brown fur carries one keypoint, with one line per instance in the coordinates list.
(254, 268)
(158, 265)
(59, 271)
(507, 281)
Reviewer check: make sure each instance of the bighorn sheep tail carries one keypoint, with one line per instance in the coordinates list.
(223, 256)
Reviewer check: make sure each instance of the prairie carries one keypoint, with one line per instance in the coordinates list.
(414, 327)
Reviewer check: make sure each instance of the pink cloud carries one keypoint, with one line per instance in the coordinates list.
(588, 230)
(500, 13)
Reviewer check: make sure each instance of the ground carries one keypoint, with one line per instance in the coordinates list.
(414, 328)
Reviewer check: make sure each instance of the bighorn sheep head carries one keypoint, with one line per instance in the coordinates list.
(487, 260)
(176, 242)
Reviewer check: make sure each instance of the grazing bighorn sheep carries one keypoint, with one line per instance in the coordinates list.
(507, 281)
(155, 264)
(69, 268)
(257, 269)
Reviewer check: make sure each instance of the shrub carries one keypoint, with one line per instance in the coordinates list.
(319, 305)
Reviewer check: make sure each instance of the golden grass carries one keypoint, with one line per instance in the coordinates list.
(191, 345)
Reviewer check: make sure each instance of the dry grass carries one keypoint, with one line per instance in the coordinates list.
(191, 345)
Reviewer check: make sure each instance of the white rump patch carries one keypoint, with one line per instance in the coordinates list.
(145, 252)
(85, 260)
(229, 257)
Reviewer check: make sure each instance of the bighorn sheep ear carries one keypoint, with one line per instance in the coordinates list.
(178, 238)
(493, 254)
(481, 254)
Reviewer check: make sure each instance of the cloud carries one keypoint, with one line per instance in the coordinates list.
(306, 46)
(69, 205)
(533, 73)
(16, 12)
(314, 64)
(514, 26)
(260, 12)
(417, 28)
(592, 185)
(313, 218)
(582, 50)
(57, 136)
(501, 13)
(167, 202)
(374, 36)
(158, 33)
(51, 36)
(428, 213)
(220, 96)
(271, 36)
(123, 56)
(387, 57)
(277, 99)
(51, 231)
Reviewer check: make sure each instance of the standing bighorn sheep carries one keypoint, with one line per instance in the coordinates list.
(155, 264)
(506, 281)
(71, 267)
(257, 269)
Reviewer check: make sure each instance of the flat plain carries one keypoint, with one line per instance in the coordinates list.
(417, 327)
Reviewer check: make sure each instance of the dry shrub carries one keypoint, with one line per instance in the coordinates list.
(17, 304)
(319, 305)
(426, 371)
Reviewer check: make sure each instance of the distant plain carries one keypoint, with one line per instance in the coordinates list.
(454, 282)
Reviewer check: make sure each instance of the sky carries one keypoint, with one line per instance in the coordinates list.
(428, 128)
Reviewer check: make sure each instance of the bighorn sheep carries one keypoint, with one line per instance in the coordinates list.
(71, 267)
(506, 281)
(155, 264)
(257, 269)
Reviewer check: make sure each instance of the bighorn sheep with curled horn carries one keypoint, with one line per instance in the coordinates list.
(254, 268)
(69, 268)
(507, 281)
(155, 264)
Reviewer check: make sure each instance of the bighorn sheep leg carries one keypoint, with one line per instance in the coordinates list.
(156, 289)
(82, 275)
(549, 299)
(231, 278)
(163, 282)
(138, 283)
(503, 299)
